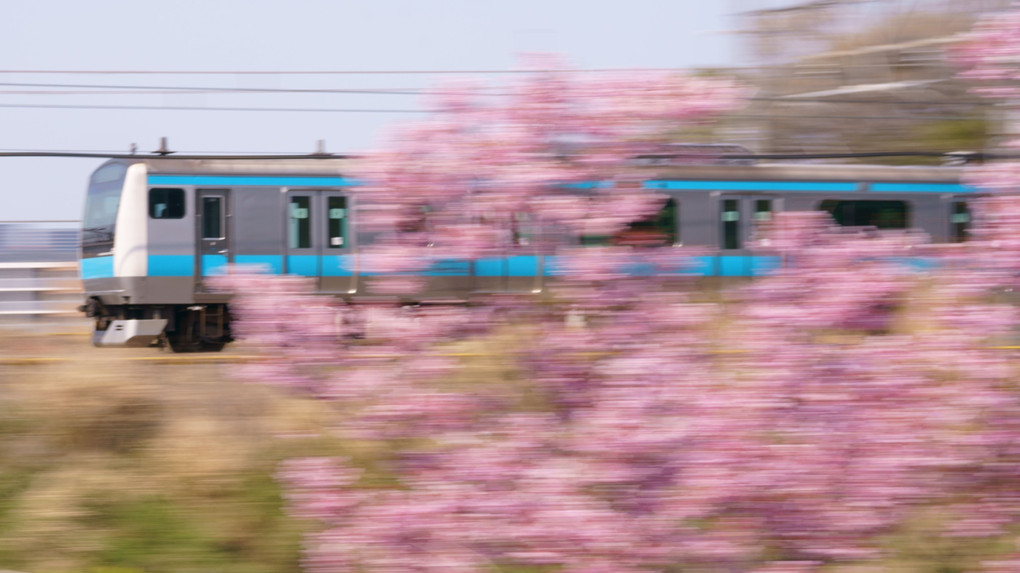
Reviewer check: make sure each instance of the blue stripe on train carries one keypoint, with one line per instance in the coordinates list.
(921, 188)
(271, 264)
(522, 266)
(704, 266)
(214, 265)
(807, 186)
(252, 181)
(307, 265)
(304, 265)
(171, 265)
(752, 185)
(97, 268)
(296, 181)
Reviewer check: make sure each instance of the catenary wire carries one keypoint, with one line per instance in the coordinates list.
(156, 90)
(212, 89)
(735, 156)
(202, 108)
(337, 72)
(902, 117)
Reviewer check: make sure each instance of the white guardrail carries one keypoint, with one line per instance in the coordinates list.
(39, 270)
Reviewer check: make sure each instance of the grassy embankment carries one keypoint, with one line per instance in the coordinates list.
(110, 464)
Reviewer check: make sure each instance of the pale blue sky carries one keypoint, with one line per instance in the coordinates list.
(293, 35)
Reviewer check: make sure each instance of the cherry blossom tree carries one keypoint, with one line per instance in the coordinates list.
(620, 424)
(819, 421)
(454, 186)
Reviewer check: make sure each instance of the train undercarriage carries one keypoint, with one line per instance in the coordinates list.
(180, 328)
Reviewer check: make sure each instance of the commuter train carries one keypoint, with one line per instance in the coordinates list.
(156, 229)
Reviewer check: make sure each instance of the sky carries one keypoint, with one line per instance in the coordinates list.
(285, 36)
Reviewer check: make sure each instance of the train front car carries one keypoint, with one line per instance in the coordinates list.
(156, 231)
(138, 242)
(113, 253)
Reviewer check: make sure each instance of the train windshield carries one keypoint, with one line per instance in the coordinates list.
(101, 208)
(104, 196)
(101, 205)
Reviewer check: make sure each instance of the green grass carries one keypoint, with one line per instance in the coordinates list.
(114, 466)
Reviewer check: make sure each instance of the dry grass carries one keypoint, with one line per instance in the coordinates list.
(111, 463)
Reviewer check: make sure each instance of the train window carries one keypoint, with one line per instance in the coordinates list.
(212, 217)
(878, 214)
(299, 223)
(659, 230)
(959, 221)
(731, 223)
(166, 203)
(522, 228)
(336, 213)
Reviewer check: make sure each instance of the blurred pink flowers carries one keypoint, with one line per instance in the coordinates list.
(618, 425)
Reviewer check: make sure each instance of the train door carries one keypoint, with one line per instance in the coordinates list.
(212, 209)
(302, 251)
(318, 239)
(958, 209)
(338, 271)
(739, 216)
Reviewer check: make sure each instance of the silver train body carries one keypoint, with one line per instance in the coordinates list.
(155, 231)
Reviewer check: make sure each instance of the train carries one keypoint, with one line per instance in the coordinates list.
(156, 230)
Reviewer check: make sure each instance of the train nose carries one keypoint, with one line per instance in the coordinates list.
(130, 333)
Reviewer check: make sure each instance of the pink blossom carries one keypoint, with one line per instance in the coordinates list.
(790, 425)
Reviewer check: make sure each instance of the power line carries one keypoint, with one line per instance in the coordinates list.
(171, 155)
(872, 102)
(722, 156)
(105, 152)
(337, 72)
(199, 89)
(194, 90)
(210, 108)
(190, 90)
(904, 117)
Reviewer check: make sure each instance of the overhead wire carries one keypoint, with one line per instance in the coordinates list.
(64, 89)
(977, 156)
(337, 72)
(209, 89)
(204, 108)
(122, 107)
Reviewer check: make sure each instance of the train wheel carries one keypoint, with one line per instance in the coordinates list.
(187, 337)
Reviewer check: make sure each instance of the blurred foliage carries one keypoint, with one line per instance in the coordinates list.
(965, 135)
(826, 48)
(110, 466)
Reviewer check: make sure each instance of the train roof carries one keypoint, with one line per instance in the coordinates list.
(809, 172)
(317, 166)
(761, 171)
